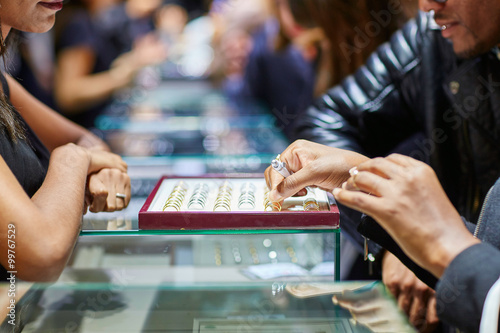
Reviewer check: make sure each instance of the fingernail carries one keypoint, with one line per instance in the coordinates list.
(336, 191)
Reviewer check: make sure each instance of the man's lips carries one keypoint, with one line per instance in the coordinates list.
(447, 27)
(52, 5)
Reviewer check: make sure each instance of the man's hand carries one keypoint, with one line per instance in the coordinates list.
(414, 297)
(102, 188)
(312, 164)
(405, 197)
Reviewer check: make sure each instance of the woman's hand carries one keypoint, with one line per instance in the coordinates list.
(406, 198)
(102, 188)
(90, 141)
(147, 51)
(100, 159)
(312, 164)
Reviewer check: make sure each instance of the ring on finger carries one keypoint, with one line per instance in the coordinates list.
(354, 173)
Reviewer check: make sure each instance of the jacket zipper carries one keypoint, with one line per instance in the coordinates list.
(480, 220)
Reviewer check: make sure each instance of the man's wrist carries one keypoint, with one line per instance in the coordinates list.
(446, 250)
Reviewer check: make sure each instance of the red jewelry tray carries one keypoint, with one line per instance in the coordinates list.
(150, 218)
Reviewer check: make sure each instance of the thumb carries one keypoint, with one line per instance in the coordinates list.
(290, 185)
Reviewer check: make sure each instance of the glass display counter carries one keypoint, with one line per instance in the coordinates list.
(191, 280)
(128, 305)
(115, 240)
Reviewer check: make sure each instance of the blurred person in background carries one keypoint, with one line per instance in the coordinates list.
(234, 22)
(101, 45)
(193, 8)
(308, 47)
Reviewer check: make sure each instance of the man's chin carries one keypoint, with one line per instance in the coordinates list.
(469, 53)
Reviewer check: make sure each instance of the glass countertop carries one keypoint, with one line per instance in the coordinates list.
(274, 306)
(126, 223)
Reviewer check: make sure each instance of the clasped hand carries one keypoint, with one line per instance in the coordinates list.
(107, 177)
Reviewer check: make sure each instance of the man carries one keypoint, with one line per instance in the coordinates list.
(405, 197)
(420, 82)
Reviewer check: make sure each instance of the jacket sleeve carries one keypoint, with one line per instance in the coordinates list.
(462, 289)
(372, 110)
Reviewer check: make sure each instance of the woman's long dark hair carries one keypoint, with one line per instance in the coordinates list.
(9, 122)
(355, 28)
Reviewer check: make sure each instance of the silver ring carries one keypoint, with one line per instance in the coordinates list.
(121, 195)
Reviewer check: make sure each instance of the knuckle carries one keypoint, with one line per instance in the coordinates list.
(299, 143)
(359, 201)
(412, 177)
(99, 192)
(390, 282)
(432, 320)
(406, 287)
(372, 164)
(123, 177)
(393, 156)
(421, 290)
(106, 173)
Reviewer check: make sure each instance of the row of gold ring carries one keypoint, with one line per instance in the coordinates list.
(223, 201)
(176, 197)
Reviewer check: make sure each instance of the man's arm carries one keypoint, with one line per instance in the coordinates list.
(462, 289)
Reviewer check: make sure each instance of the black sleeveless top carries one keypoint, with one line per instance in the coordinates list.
(28, 159)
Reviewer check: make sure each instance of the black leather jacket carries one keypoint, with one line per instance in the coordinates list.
(415, 83)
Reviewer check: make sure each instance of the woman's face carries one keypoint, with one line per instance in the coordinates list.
(28, 15)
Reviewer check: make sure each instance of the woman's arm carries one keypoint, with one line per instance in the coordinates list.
(77, 88)
(46, 227)
(53, 129)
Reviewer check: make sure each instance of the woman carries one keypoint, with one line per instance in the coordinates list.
(310, 47)
(101, 44)
(40, 216)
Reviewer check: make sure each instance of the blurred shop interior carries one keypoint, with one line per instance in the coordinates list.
(201, 88)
